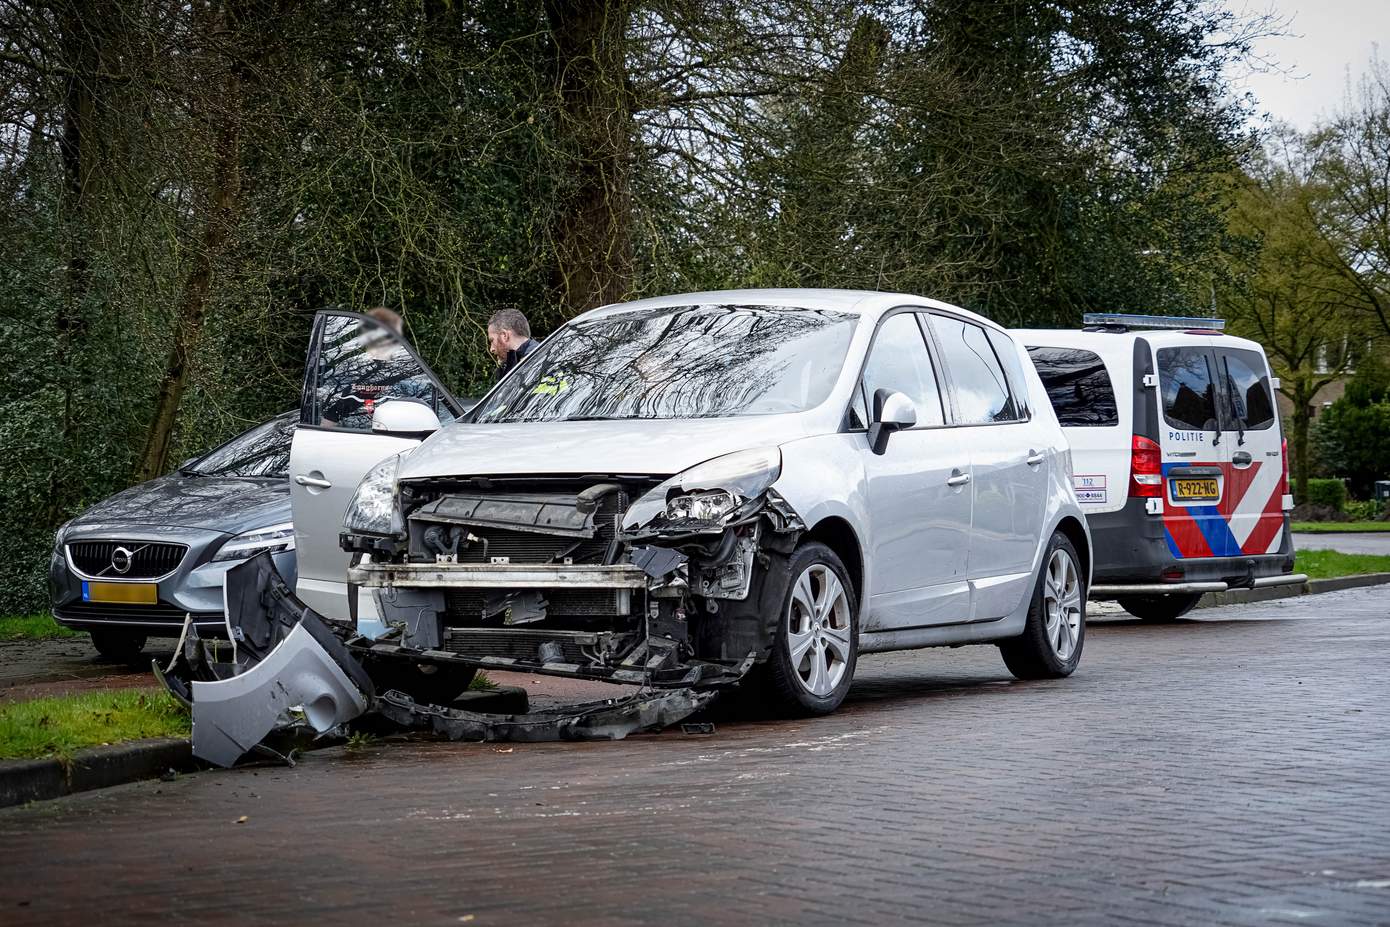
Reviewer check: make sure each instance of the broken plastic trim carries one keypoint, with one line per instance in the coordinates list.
(612, 719)
(296, 670)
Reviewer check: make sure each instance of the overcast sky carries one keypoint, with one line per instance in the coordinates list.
(1326, 38)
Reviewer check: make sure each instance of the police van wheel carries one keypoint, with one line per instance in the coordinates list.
(1159, 608)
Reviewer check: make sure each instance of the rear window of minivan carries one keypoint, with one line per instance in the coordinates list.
(1078, 385)
(1189, 388)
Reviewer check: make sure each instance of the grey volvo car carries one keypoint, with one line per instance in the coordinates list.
(136, 564)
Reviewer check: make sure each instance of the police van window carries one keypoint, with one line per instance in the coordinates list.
(1248, 387)
(981, 390)
(1189, 389)
(900, 362)
(1078, 385)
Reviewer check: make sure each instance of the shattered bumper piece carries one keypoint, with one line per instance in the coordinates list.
(299, 677)
(612, 719)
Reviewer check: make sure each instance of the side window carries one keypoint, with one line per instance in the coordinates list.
(1007, 352)
(1248, 386)
(1189, 389)
(981, 390)
(899, 361)
(360, 363)
(1078, 385)
(857, 418)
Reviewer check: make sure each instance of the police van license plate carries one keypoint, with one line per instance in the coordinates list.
(1201, 490)
(120, 593)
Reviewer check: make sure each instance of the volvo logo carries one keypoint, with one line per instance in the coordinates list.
(121, 560)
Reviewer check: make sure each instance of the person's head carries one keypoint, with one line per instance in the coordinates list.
(507, 330)
(388, 317)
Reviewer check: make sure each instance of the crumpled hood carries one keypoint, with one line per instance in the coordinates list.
(228, 504)
(633, 446)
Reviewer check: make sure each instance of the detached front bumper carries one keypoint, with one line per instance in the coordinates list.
(287, 670)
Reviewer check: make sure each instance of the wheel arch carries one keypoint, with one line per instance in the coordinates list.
(1074, 531)
(839, 535)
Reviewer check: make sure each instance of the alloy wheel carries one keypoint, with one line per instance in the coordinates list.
(818, 629)
(1062, 604)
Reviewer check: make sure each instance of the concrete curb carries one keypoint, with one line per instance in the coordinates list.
(36, 780)
(1312, 587)
(23, 781)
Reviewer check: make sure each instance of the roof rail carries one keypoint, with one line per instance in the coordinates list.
(1122, 321)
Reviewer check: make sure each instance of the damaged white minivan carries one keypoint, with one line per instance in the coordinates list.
(747, 487)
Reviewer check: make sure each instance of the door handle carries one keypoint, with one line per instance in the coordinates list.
(957, 478)
(1241, 459)
(1035, 459)
(303, 479)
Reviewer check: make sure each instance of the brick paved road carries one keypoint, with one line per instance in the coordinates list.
(1229, 770)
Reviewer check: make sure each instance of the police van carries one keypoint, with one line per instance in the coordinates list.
(1178, 459)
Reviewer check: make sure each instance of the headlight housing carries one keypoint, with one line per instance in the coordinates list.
(708, 494)
(275, 539)
(374, 508)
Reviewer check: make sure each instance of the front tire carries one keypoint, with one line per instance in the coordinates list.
(1050, 645)
(1158, 609)
(816, 645)
(118, 646)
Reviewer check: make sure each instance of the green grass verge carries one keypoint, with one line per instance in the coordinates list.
(60, 725)
(1324, 564)
(1339, 527)
(481, 683)
(32, 628)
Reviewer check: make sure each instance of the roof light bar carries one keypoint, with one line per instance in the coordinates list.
(1125, 320)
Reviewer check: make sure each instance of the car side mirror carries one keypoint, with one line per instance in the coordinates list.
(404, 418)
(893, 411)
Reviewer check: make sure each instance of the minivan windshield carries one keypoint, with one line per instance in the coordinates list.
(705, 361)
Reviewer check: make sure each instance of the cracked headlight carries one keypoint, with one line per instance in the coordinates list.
(708, 493)
(373, 508)
(275, 539)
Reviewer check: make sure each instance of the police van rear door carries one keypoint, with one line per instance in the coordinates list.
(1194, 450)
(1252, 503)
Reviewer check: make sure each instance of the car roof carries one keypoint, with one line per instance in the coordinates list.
(1106, 343)
(869, 303)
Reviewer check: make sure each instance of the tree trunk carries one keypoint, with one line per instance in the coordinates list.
(220, 204)
(76, 150)
(592, 234)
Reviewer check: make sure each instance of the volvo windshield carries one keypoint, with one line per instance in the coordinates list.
(709, 361)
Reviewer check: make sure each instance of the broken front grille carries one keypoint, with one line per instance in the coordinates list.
(125, 559)
(480, 606)
(528, 646)
(509, 526)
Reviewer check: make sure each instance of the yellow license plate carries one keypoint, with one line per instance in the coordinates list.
(120, 593)
(1196, 490)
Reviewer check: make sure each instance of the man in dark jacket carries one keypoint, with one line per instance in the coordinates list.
(509, 339)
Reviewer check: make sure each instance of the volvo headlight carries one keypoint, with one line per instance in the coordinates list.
(708, 493)
(373, 507)
(275, 539)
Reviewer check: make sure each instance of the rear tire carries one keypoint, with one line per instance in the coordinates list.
(816, 644)
(1052, 638)
(1157, 609)
(118, 646)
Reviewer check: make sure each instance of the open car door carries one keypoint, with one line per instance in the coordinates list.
(354, 364)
